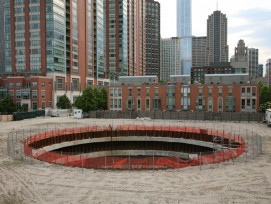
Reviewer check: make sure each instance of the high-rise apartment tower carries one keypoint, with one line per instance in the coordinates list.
(152, 38)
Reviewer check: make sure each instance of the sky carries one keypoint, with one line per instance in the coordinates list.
(249, 20)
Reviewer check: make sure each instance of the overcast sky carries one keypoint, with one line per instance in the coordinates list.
(249, 20)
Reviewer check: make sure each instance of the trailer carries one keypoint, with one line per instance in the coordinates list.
(268, 116)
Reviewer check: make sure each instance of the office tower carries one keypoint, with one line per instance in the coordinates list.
(2, 41)
(116, 38)
(199, 55)
(184, 24)
(217, 31)
(136, 37)
(260, 70)
(152, 38)
(240, 59)
(170, 58)
(268, 71)
(253, 63)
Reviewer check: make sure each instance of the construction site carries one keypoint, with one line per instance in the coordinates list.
(67, 160)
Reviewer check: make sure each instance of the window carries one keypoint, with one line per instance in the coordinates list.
(34, 84)
(210, 91)
(219, 91)
(230, 91)
(50, 104)
(138, 92)
(254, 104)
(34, 94)
(253, 91)
(130, 104)
(156, 91)
(138, 104)
(18, 84)
(43, 105)
(243, 103)
(60, 83)
(11, 93)
(18, 94)
(220, 105)
(156, 104)
(147, 104)
(210, 104)
(130, 92)
(42, 94)
(147, 91)
(43, 84)
(34, 105)
(75, 86)
(11, 85)
(200, 91)
(18, 105)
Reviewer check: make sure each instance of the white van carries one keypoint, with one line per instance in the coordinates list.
(55, 113)
(78, 113)
(268, 116)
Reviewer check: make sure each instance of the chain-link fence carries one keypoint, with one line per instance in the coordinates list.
(252, 144)
(173, 115)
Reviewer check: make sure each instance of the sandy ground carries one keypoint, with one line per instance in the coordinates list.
(34, 182)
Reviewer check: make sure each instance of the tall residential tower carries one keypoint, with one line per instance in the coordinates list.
(152, 38)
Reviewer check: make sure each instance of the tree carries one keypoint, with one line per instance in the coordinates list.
(64, 102)
(92, 100)
(7, 105)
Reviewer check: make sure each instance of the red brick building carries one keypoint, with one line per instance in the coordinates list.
(177, 97)
(33, 92)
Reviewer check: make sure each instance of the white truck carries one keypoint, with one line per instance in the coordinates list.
(268, 116)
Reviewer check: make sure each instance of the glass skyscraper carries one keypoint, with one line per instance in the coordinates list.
(184, 31)
(2, 41)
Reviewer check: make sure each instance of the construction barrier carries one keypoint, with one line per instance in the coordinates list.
(130, 162)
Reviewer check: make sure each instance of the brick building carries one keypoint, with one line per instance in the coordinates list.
(32, 92)
(185, 97)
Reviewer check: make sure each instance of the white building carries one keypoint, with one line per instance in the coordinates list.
(170, 58)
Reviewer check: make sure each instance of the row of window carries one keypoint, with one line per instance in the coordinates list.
(26, 94)
(19, 84)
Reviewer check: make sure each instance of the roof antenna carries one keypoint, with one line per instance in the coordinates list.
(217, 5)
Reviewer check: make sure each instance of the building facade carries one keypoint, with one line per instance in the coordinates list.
(116, 38)
(63, 40)
(198, 72)
(253, 63)
(268, 71)
(170, 57)
(30, 93)
(177, 97)
(199, 54)
(136, 37)
(240, 59)
(153, 38)
(2, 34)
(184, 30)
(217, 38)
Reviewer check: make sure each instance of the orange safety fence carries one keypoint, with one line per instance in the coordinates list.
(149, 162)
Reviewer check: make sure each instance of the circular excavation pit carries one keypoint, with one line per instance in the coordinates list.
(134, 147)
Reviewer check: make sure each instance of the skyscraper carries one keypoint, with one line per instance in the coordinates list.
(253, 63)
(184, 31)
(240, 59)
(136, 37)
(116, 38)
(199, 56)
(152, 38)
(217, 37)
(268, 72)
(2, 41)
(170, 57)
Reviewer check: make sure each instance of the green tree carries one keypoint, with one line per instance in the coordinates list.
(92, 100)
(7, 105)
(64, 102)
(265, 94)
